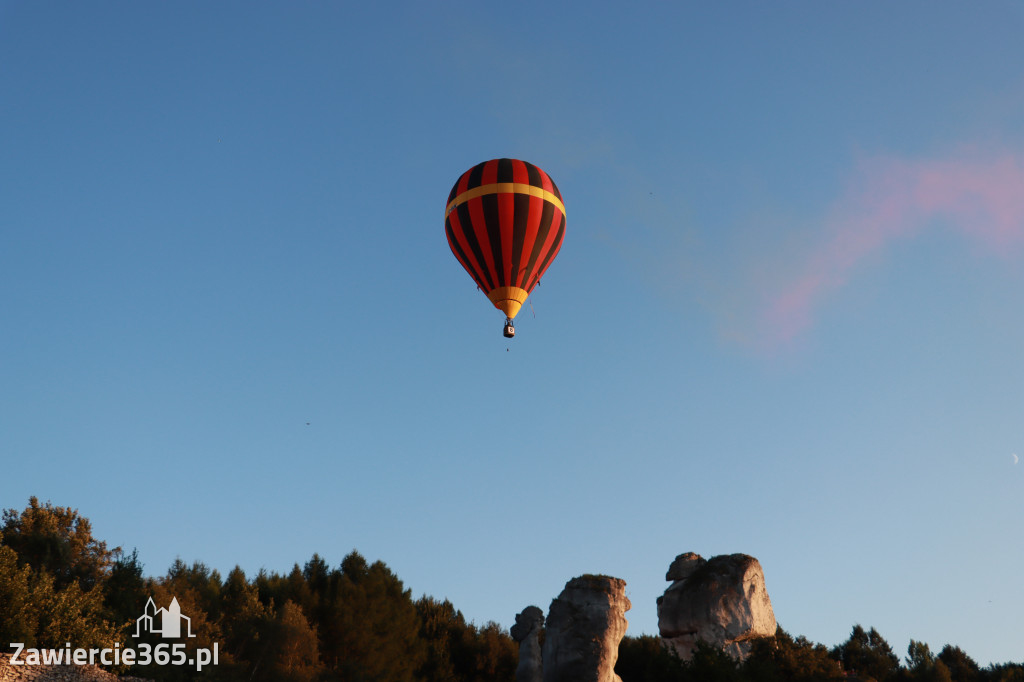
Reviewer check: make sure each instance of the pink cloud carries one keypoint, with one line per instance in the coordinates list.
(982, 197)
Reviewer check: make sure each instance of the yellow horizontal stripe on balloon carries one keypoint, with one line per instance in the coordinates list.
(498, 187)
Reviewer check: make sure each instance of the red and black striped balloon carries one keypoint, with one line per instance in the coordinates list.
(505, 221)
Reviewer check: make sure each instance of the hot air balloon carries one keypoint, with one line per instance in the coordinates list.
(505, 221)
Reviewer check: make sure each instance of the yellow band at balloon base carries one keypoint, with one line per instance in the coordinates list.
(508, 300)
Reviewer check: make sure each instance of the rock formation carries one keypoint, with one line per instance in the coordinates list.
(585, 625)
(526, 631)
(721, 601)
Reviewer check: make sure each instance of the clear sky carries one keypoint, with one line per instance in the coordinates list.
(787, 318)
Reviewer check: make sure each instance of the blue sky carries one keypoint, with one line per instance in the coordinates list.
(786, 319)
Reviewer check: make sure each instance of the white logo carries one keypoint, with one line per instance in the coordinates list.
(163, 622)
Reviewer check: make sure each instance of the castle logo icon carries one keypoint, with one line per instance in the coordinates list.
(164, 622)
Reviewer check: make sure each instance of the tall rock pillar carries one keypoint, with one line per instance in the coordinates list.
(585, 625)
(526, 631)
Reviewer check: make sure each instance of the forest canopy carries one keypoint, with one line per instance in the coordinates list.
(355, 621)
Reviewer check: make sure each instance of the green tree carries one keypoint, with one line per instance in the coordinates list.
(292, 647)
(867, 654)
(785, 659)
(711, 664)
(318, 576)
(456, 651)
(203, 583)
(1004, 672)
(274, 588)
(183, 584)
(244, 619)
(51, 579)
(440, 626)
(962, 667)
(124, 590)
(59, 541)
(367, 622)
(919, 656)
(647, 659)
(19, 619)
(70, 615)
(485, 654)
(922, 666)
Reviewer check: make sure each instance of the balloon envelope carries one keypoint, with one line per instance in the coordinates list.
(505, 221)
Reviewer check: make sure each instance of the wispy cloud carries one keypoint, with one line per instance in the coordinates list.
(979, 194)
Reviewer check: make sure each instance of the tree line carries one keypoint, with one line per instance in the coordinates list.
(864, 657)
(354, 622)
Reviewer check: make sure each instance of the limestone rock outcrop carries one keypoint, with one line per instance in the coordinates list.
(585, 625)
(526, 632)
(721, 601)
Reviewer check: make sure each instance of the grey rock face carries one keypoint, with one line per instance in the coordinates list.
(526, 631)
(721, 601)
(585, 625)
(683, 566)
